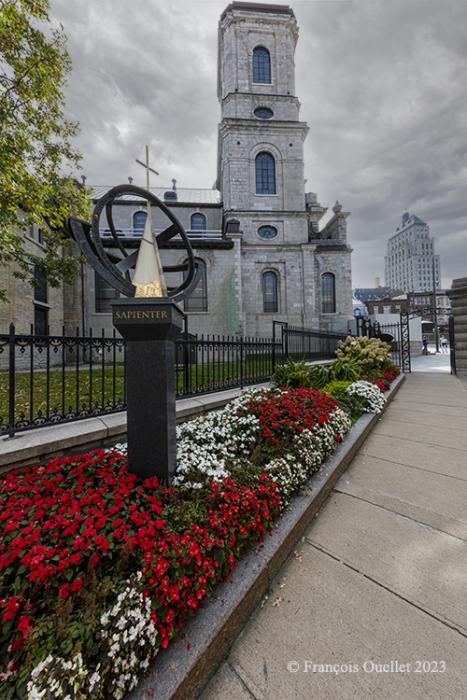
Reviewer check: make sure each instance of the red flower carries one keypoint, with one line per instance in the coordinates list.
(12, 608)
(24, 625)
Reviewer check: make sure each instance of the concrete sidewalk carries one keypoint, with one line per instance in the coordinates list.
(377, 589)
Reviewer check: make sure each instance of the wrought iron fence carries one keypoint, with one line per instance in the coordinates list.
(49, 379)
(52, 379)
(306, 344)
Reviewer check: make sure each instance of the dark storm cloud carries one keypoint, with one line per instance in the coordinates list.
(382, 86)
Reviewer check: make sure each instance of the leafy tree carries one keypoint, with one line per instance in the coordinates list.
(37, 157)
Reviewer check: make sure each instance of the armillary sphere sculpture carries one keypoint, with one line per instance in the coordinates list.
(117, 274)
(149, 320)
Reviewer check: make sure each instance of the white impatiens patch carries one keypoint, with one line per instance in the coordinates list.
(130, 638)
(374, 399)
(309, 451)
(206, 445)
(129, 641)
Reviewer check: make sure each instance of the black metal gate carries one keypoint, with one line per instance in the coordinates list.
(452, 345)
(396, 334)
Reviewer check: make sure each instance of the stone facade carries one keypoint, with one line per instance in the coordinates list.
(231, 241)
(61, 306)
(235, 254)
(458, 297)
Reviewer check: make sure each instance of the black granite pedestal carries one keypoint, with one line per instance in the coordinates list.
(149, 327)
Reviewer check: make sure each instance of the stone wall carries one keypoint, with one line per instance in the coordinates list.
(458, 297)
(63, 307)
(222, 316)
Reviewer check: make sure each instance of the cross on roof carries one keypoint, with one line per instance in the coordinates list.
(148, 169)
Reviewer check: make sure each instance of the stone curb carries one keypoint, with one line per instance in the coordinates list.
(182, 671)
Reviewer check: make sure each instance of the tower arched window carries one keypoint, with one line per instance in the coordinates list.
(139, 221)
(198, 300)
(270, 284)
(198, 222)
(328, 293)
(261, 65)
(265, 170)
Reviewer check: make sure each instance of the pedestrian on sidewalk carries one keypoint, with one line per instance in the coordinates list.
(444, 344)
(425, 345)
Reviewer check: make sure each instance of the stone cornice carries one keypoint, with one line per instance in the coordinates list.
(254, 125)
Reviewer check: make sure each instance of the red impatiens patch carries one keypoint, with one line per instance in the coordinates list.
(282, 415)
(382, 386)
(66, 526)
(390, 374)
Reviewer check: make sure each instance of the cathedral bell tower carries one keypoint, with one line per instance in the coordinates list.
(285, 270)
(260, 136)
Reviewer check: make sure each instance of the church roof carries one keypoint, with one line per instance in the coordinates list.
(258, 7)
(184, 195)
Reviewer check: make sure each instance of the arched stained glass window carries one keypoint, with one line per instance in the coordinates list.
(265, 169)
(270, 291)
(198, 222)
(328, 293)
(139, 220)
(198, 300)
(261, 65)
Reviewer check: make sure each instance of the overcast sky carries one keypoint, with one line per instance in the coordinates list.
(383, 87)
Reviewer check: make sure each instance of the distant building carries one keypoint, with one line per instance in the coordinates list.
(365, 294)
(422, 304)
(388, 305)
(359, 308)
(416, 303)
(410, 256)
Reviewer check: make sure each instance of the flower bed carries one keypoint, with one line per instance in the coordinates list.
(99, 570)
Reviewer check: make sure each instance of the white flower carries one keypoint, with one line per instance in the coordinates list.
(374, 399)
(129, 641)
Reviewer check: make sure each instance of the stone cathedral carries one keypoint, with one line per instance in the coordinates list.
(261, 252)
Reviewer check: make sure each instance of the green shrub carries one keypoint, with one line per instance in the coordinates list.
(337, 388)
(354, 406)
(366, 354)
(344, 371)
(293, 375)
(320, 375)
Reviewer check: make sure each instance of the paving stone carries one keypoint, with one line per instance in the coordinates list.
(226, 683)
(439, 420)
(330, 614)
(430, 458)
(436, 500)
(414, 432)
(423, 565)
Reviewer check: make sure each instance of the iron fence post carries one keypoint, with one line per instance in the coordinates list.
(285, 345)
(241, 362)
(12, 386)
(273, 346)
